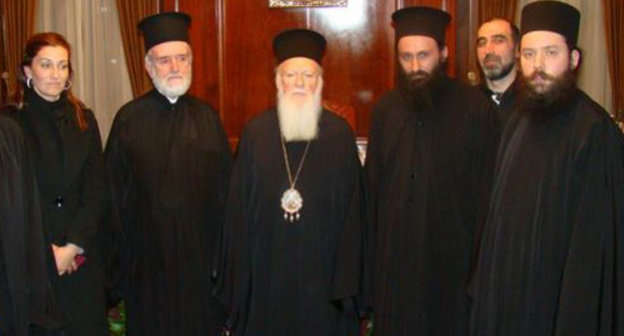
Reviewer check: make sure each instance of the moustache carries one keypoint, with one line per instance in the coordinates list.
(541, 75)
(491, 57)
(417, 75)
(297, 91)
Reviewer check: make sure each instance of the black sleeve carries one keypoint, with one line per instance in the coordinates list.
(234, 278)
(348, 262)
(591, 287)
(225, 169)
(81, 231)
(120, 218)
(29, 282)
(486, 130)
(372, 173)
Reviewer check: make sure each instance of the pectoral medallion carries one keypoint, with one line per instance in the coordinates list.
(292, 202)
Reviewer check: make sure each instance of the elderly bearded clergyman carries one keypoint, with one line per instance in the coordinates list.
(292, 228)
(168, 159)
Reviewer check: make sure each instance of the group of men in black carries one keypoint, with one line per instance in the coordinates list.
(479, 211)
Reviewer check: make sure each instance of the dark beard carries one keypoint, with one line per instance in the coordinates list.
(504, 71)
(541, 106)
(419, 87)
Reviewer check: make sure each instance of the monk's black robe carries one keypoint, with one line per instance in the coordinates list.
(428, 172)
(299, 278)
(505, 103)
(169, 167)
(552, 254)
(29, 293)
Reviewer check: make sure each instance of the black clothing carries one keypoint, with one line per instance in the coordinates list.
(420, 20)
(554, 16)
(299, 43)
(169, 169)
(28, 290)
(428, 173)
(71, 181)
(298, 278)
(164, 27)
(551, 254)
(506, 100)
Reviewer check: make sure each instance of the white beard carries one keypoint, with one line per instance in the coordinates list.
(171, 91)
(299, 122)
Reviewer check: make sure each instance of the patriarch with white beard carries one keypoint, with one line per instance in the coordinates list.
(299, 83)
(292, 234)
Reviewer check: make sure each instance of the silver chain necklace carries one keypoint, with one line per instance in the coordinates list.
(292, 202)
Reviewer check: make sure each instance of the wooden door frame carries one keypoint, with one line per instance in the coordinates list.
(4, 89)
(467, 69)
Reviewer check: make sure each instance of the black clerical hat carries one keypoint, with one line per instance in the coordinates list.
(299, 43)
(425, 21)
(164, 27)
(553, 16)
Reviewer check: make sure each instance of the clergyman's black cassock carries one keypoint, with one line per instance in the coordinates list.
(552, 254)
(428, 173)
(299, 278)
(28, 291)
(506, 101)
(169, 166)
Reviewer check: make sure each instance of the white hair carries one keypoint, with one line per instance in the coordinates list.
(169, 91)
(299, 121)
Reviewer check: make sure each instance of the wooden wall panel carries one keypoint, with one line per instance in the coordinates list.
(359, 60)
(234, 66)
(466, 65)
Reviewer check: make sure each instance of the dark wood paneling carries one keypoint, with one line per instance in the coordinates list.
(359, 60)
(467, 24)
(4, 84)
(234, 66)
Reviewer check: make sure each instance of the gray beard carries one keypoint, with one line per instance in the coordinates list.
(299, 122)
(496, 74)
(171, 92)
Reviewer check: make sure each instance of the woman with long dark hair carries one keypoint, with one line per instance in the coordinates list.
(63, 139)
